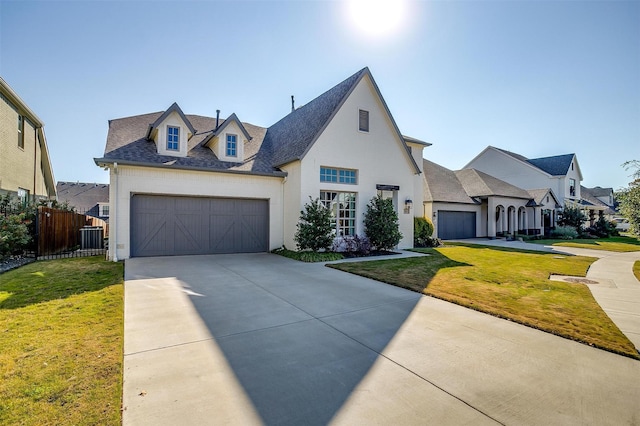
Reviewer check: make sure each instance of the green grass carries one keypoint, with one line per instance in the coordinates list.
(509, 284)
(309, 256)
(617, 244)
(61, 334)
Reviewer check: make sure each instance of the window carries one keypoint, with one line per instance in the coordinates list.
(363, 120)
(173, 138)
(104, 210)
(571, 166)
(572, 187)
(343, 211)
(328, 174)
(20, 131)
(23, 196)
(232, 146)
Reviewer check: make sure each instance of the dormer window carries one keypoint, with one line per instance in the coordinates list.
(173, 138)
(232, 146)
(363, 120)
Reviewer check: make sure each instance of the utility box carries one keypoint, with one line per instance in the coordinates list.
(91, 237)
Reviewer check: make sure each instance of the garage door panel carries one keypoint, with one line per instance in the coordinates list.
(172, 225)
(456, 224)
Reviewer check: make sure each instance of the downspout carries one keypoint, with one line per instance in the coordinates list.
(113, 207)
(35, 160)
(283, 208)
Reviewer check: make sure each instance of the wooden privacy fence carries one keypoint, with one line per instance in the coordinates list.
(69, 233)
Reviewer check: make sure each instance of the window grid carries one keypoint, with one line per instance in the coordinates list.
(173, 138)
(343, 211)
(232, 146)
(333, 175)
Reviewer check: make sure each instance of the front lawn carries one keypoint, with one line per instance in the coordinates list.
(61, 334)
(509, 284)
(617, 244)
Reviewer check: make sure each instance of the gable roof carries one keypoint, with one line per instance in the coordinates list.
(538, 196)
(481, 185)
(293, 136)
(557, 165)
(589, 198)
(267, 149)
(232, 118)
(173, 108)
(598, 191)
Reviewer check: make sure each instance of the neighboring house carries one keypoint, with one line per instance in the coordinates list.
(469, 203)
(91, 199)
(595, 202)
(561, 173)
(25, 167)
(190, 184)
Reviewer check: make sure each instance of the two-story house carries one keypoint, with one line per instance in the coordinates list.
(561, 173)
(25, 166)
(191, 184)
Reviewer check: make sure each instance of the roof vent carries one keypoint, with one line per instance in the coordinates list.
(293, 104)
(217, 117)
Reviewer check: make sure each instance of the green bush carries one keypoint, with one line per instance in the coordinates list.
(422, 231)
(14, 234)
(314, 227)
(381, 224)
(565, 232)
(573, 217)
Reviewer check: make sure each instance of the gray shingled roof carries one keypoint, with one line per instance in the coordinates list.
(598, 191)
(83, 196)
(127, 143)
(291, 137)
(287, 140)
(481, 185)
(589, 198)
(557, 165)
(442, 185)
(466, 186)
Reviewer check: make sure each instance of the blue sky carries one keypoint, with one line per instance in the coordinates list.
(539, 78)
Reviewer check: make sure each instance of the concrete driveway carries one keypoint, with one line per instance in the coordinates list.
(260, 339)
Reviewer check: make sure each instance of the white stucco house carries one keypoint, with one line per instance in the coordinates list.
(561, 173)
(469, 203)
(189, 184)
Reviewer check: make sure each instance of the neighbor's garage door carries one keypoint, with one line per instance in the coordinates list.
(456, 225)
(166, 225)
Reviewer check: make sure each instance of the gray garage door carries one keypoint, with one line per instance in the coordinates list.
(166, 225)
(456, 225)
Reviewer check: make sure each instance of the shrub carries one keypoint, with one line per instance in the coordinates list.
(14, 234)
(565, 232)
(381, 224)
(352, 244)
(603, 228)
(422, 230)
(314, 227)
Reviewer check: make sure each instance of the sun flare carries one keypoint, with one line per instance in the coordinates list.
(377, 18)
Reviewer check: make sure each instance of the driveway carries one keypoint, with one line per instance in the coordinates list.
(261, 339)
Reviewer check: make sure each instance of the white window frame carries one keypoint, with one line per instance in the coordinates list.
(101, 209)
(171, 136)
(343, 206)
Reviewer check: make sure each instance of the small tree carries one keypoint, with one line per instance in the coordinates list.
(314, 227)
(381, 224)
(630, 197)
(572, 216)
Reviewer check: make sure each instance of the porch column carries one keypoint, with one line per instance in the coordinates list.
(491, 218)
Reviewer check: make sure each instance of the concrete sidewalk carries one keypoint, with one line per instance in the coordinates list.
(616, 288)
(260, 339)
